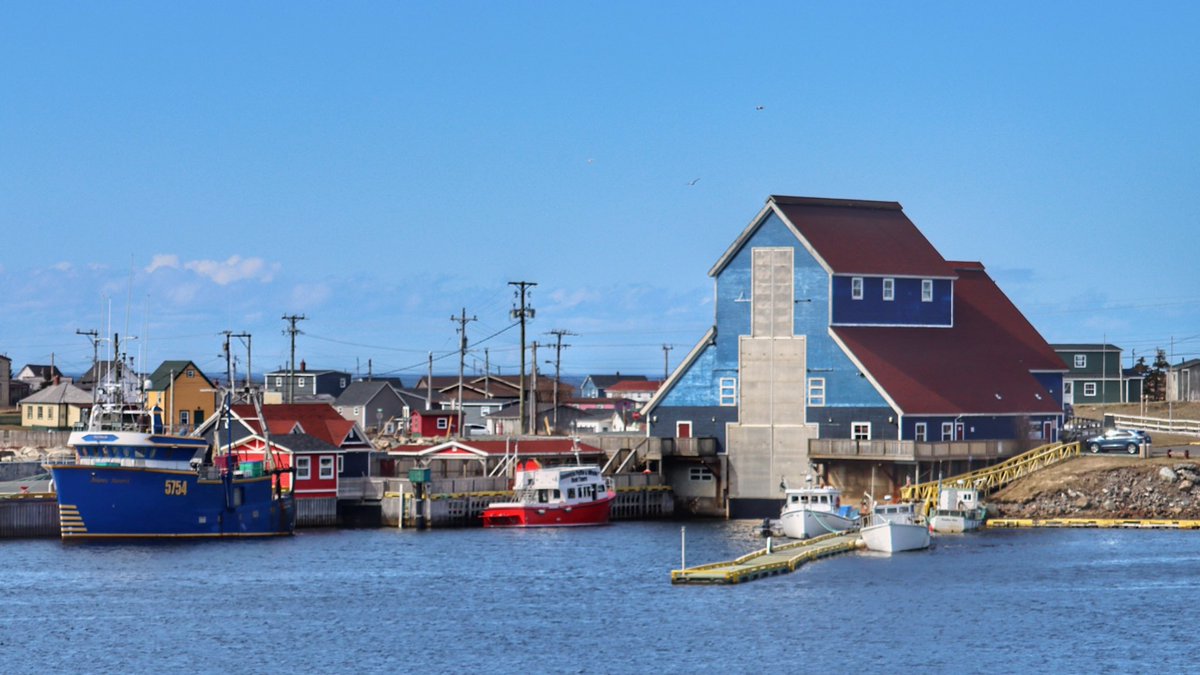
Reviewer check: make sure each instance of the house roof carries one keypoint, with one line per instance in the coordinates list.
(160, 379)
(634, 386)
(606, 381)
(361, 393)
(523, 447)
(63, 392)
(319, 420)
(852, 237)
(982, 365)
(1084, 347)
(42, 371)
(302, 443)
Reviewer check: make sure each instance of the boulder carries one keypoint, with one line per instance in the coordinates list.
(1167, 474)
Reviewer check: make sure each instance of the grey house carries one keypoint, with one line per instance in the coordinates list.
(284, 386)
(1183, 381)
(371, 404)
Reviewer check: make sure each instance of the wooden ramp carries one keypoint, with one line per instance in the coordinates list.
(770, 561)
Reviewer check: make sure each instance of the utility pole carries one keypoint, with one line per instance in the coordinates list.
(666, 368)
(462, 322)
(429, 384)
(292, 330)
(249, 379)
(487, 373)
(533, 391)
(94, 337)
(558, 347)
(522, 313)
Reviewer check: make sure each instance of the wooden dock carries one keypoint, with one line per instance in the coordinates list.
(770, 561)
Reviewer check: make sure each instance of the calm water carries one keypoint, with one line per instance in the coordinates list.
(598, 600)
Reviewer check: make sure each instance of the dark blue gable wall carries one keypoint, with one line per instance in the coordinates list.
(906, 309)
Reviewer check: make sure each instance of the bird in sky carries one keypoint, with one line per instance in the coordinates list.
(693, 181)
(590, 160)
(760, 107)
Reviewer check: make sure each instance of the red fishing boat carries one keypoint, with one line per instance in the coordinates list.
(560, 496)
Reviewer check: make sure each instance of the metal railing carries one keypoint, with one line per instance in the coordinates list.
(689, 447)
(837, 448)
(996, 476)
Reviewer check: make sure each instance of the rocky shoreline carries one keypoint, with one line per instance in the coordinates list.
(1160, 490)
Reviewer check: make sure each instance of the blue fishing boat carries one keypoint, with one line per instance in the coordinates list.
(131, 480)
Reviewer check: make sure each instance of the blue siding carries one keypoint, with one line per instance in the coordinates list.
(1053, 384)
(982, 427)
(906, 309)
(845, 387)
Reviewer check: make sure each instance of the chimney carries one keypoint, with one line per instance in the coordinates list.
(303, 366)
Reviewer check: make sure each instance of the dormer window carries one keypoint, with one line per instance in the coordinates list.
(889, 289)
(856, 288)
(927, 290)
(1081, 360)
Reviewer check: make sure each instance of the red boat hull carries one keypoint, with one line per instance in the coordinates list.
(548, 515)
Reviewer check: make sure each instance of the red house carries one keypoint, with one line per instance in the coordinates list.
(433, 423)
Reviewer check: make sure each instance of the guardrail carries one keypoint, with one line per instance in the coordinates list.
(839, 448)
(1170, 426)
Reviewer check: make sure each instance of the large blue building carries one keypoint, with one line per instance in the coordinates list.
(837, 319)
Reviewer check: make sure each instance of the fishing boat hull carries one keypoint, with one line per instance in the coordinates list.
(806, 523)
(954, 522)
(514, 514)
(97, 502)
(896, 537)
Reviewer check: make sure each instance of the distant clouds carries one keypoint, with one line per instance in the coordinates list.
(223, 273)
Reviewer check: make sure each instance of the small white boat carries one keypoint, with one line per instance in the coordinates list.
(895, 527)
(958, 510)
(814, 511)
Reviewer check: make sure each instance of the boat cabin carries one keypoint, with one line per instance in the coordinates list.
(563, 484)
(958, 499)
(815, 499)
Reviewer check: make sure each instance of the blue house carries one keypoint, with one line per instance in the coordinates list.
(837, 319)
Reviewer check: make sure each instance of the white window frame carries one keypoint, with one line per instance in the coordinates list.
(860, 431)
(1068, 388)
(816, 392)
(185, 417)
(1089, 389)
(357, 410)
(927, 290)
(947, 431)
(341, 463)
(856, 288)
(700, 473)
(191, 373)
(1081, 360)
(303, 468)
(920, 432)
(326, 464)
(300, 382)
(342, 382)
(889, 289)
(727, 391)
(279, 382)
(443, 423)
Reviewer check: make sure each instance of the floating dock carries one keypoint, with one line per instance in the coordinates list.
(1130, 523)
(770, 561)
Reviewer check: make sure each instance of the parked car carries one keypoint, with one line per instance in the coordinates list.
(1129, 440)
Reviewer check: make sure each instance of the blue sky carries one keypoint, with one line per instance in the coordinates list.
(174, 170)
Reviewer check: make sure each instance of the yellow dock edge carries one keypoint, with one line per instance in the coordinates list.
(734, 572)
(1133, 523)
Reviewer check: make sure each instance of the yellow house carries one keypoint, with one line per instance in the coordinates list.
(61, 406)
(185, 395)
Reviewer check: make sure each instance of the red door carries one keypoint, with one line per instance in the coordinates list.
(959, 431)
(683, 430)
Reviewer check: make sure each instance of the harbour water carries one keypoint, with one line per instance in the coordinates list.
(598, 600)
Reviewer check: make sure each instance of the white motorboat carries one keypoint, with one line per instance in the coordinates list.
(958, 510)
(814, 511)
(895, 527)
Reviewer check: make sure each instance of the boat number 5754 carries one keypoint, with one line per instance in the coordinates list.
(176, 487)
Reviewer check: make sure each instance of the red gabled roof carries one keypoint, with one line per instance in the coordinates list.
(863, 237)
(316, 419)
(980, 366)
(634, 385)
(524, 447)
